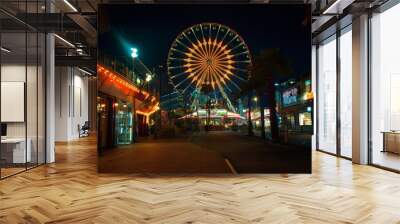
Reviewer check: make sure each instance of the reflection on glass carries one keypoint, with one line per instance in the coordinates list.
(327, 96)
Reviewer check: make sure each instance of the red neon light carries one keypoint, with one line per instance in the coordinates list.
(120, 82)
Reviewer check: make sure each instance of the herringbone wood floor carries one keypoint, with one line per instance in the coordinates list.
(71, 191)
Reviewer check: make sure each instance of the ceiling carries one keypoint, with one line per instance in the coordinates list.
(76, 20)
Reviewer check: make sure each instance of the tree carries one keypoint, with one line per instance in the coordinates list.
(246, 90)
(268, 67)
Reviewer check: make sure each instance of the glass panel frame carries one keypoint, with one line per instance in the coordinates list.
(24, 61)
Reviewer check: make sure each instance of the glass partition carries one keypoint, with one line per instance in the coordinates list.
(22, 94)
(15, 149)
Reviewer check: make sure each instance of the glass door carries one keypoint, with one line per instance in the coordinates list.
(123, 123)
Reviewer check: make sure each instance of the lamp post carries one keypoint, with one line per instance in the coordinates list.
(134, 54)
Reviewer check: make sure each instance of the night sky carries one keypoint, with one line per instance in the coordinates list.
(152, 29)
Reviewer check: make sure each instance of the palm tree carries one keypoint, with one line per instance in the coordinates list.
(268, 67)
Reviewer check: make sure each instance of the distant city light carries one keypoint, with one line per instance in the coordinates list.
(309, 109)
(255, 99)
(276, 84)
(138, 81)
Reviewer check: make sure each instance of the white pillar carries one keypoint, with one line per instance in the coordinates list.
(50, 92)
(50, 98)
(360, 90)
(62, 103)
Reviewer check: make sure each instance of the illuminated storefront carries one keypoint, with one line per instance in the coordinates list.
(123, 110)
(295, 101)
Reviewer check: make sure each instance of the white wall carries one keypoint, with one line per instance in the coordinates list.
(71, 102)
(16, 72)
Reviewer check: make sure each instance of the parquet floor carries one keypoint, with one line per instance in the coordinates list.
(71, 191)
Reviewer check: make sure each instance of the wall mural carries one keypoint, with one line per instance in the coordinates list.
(204, 88)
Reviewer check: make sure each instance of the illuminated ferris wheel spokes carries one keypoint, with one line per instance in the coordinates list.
(209, 54)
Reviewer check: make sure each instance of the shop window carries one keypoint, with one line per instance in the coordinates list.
(305, 119)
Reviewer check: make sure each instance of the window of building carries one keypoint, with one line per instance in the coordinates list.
(385, 88)
(327, 95)
(346, 92)
(305, 119)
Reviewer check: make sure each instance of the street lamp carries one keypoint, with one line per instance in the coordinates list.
(134, 53)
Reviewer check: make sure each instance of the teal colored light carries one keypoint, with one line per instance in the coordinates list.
(134, 53)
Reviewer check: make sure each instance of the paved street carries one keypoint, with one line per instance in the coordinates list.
(163, 156)
(252, 155)
(206, 153)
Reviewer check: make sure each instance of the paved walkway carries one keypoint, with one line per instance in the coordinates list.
(253, 155)
(163, 156)
(213, 152)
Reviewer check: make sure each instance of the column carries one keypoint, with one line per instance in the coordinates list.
(360, 90)
(50, 98)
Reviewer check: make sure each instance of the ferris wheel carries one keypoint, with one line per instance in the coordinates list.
(209, 54)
